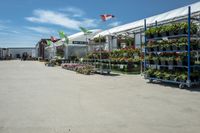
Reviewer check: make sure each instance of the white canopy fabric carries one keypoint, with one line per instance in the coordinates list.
(161, 17)
(79, 34)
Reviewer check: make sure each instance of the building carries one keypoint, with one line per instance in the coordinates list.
(77, 46)
(18, 52)
(40, 48)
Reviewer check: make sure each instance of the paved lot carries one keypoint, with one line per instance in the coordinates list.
(39, 99)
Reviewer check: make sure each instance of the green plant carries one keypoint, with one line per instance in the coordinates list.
(150, 72)
(166, 75)
(171, 58)
(194, 28)
(182, 77)
(158, 74)
(155, 58)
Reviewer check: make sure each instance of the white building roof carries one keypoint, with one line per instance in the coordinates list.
(161, 17)
(81, 34)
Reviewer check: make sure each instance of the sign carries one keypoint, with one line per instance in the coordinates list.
(79, 42)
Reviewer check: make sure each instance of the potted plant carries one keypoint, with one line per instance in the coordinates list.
(149, 73)
(183, 44)
(155, 47)
(170, 60)
(166, 76)
(164, 31)
(173, 76)
(182, 28)
(194, 45)
(148, 34)
(173, 29)
(154, 31)
(194, 28)
(163, 60)
(162, 47)
(182, 77)
(179, 61)
(168, 47)
(149, 59)
(159, 74)
(155, 60)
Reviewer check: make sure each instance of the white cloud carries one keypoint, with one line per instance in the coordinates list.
(76, 12)
(61, 19)
(41, 29)
(114, 24)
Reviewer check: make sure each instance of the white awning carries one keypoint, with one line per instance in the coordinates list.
(183, 11)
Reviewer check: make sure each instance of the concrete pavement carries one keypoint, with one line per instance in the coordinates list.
(39, 99)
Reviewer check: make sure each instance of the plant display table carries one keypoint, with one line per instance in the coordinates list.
(121, 60)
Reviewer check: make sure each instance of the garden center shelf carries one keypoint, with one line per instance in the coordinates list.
(171, 37)
(159, 40)
(172, 81)
(173, 51)
(172, 66)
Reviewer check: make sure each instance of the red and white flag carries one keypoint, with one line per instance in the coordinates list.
(53, 39)
(106, 17)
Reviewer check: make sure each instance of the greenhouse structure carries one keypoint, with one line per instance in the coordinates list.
(163, 47)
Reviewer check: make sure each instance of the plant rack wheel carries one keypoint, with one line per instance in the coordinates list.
(181, 86)
(150, 80)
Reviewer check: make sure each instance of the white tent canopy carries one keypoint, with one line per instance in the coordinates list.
(80, 36)
(162, 17)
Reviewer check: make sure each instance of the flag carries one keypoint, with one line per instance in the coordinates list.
(53, 39)
(106, 17)
(49, 42)
(85, 31)
(63, 36)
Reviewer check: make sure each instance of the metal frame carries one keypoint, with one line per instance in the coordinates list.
(188, 67)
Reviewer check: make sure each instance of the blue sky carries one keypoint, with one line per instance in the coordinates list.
(25, 22)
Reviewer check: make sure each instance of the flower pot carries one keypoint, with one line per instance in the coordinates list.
(183, 47)
(147, 62)
(163, 62)
(171, 62)
(174, 48)
(156, 62)
(179, 63)
(171, 33)
(156, 35)
(182, 31)
(149, 49)
(194, 47)
(163, 49)
(168, 48)
(165, 34)
(151, 62)
(172, 78)
(155, 49)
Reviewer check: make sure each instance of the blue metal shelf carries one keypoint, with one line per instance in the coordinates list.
(172, 36)
(173, 51)
(169, 81)
(172, 65)
(189, 83)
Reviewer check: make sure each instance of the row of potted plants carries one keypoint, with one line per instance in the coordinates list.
(173, 59)
(169, 45)
(177, 75)
(80, 68)
(171, 29)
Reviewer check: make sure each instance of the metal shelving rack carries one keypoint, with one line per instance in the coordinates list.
(188, 83)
